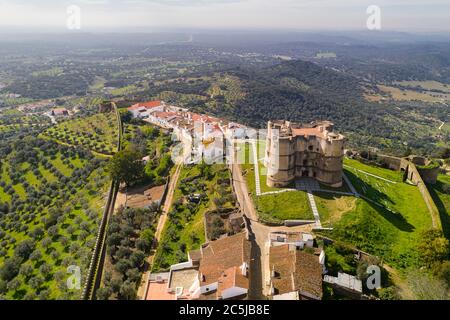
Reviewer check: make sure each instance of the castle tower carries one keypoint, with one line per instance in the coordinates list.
(294, 151)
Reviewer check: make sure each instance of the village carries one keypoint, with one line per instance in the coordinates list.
(292, 264)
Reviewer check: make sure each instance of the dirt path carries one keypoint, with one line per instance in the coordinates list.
(121, 199)
(159, 229)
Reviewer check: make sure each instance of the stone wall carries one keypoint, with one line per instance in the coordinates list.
(413, 175)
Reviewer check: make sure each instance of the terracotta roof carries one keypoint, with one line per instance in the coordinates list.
(231, 277)
(147, 105)
(295, 270)
(308, 274)
(164, 115)
(223, 254)
(60, 110)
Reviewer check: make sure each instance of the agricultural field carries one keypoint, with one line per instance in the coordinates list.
(425, 85)
(410, 95)
(98, 133)
(13, 122)
(185, 230)
(51, 199)
(386, 220)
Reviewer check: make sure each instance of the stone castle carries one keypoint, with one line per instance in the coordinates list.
(294, 151)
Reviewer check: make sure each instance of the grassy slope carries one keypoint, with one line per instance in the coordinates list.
(392, 233)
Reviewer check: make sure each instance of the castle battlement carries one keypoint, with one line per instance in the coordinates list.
(312, 150)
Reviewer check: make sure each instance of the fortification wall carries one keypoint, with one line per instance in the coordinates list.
(414, 176)
(429, 175)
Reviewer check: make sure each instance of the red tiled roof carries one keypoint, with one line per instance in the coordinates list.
(231, 277)
(164, 115)
(223, 254)
(147, 105)
(295, 270)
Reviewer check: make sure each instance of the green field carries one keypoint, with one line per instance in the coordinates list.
(291, 205)
(97, 133)
(389, 224)
(426, 85)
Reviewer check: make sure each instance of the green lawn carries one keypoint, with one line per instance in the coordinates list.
(291, 205)
(384, 173)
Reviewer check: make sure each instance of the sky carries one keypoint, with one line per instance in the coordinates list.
(396, 15)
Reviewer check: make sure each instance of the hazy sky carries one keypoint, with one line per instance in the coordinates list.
(403, 15)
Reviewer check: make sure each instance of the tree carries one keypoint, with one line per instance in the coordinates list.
(36, 255)
(3, 286)
(133, 275)
(24, 249)
(115, 284)
(122, 266)
(26, 270)
(137, 258)
(442, 271)
(389, 293)
(104, 293)
(46, 242)
(14, 284)
(10, 269)
(128, 291)
(45, 269)
(126, 166)
(36, 282)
